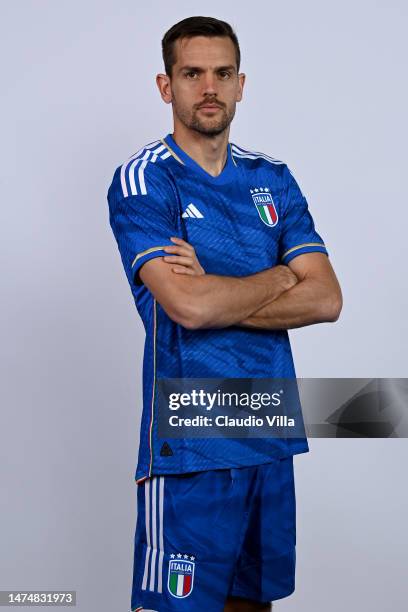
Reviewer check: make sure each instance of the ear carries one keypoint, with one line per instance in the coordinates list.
(163, 83)
(241, 81)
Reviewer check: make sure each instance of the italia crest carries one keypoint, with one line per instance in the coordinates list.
(181, 575)
(265, 206)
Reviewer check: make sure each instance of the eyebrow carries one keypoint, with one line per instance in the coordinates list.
(198, 69)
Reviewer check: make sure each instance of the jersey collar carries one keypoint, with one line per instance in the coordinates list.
(227, 174)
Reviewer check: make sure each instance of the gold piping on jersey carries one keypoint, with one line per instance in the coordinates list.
(300, 246)
(150, 432)
(154, 386)
(181, 161)
(171, 151)
(139, 255)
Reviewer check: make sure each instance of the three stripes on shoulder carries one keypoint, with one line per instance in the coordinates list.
(133, 169)
(243, 153)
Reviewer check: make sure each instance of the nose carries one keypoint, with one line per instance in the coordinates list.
(209, 83)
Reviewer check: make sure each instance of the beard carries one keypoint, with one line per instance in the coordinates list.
(208, 126)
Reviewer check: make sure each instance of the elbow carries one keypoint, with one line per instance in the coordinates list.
(333, 307)
(188, 313)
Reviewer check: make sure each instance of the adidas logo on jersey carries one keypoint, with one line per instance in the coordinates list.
(192, 211)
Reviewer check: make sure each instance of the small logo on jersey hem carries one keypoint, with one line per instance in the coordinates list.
(265, 205)
(165, 450)
(180, 580)
(193, 212)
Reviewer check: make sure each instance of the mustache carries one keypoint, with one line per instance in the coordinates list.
(215, 102)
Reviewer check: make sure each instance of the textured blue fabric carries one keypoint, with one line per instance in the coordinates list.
(234, 529)
(162, 192)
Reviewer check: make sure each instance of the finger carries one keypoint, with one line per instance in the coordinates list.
(183, 261)
(178, 240)
(181, 242)
(182, 270)
(178, 250)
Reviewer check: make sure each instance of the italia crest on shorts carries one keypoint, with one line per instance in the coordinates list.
(265, 205)
(180, 575)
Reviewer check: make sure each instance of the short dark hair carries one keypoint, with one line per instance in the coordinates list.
(196, 26)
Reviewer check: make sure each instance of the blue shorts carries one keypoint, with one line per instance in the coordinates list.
(203, 536)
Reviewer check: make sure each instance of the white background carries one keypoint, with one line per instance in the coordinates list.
(326, 92)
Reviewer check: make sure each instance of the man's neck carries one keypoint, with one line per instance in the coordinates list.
(209, 152)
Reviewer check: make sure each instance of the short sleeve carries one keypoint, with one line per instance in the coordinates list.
(298, 234)
(143, 223)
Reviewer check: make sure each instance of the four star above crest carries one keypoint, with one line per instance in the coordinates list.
(257, 189)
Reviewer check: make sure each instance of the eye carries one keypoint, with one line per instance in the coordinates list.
(191, 74)
(224, 74)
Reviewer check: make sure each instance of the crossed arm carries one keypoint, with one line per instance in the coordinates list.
(314, 298)
(283, 297)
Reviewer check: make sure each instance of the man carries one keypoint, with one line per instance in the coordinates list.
(222, 257)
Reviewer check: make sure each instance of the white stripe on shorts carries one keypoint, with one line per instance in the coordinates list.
(154, 497)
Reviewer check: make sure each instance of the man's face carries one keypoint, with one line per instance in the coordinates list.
(204, 85)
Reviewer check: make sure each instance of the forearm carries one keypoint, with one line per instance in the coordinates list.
(220, 301)
(306, 303)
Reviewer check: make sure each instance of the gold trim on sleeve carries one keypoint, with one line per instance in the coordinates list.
(139, 255)
(300, 246)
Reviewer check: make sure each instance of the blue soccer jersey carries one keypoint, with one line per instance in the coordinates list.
(249, 218)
